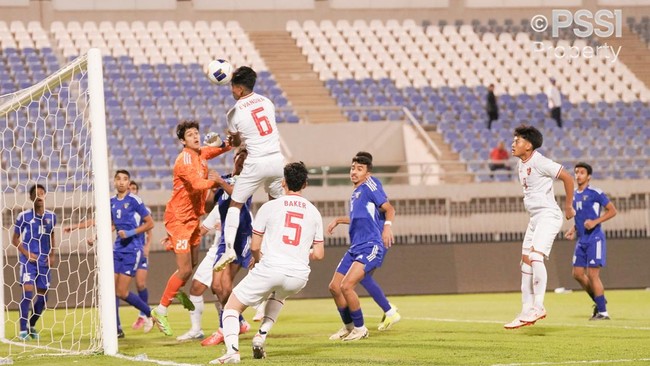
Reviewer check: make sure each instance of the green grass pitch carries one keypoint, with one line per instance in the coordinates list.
(435, 330)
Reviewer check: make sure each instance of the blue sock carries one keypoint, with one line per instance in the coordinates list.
(377, 294)
(25, 304)
(137, 302)
(221, 318)
(345, 315)
(117, 312)
(357, 318)
(241, 318)
(144, 296)
(601, 303)
(39, 306)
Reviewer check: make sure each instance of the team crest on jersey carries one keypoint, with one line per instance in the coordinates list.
(47, 221)
(584, 198)
(126, 205)
(528, 171)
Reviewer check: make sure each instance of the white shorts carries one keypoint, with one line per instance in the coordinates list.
(267, 171)
(260, 282)
(205, 270)
(541, 233)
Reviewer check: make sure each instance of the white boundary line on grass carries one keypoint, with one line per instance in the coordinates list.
(443, 320)
(143, 358)
(571, 362)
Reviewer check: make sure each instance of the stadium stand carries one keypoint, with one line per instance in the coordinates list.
(440, 73)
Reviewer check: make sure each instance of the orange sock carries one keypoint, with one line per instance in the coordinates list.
(173, 285)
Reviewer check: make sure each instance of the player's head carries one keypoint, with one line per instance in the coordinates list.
(526, 139)
(188, 133)
(360, 168)
(121, 180)
(134, 187)
(295, 176)
(243, 81)
(583, 172)
(552, 80)
(491, 87)
(240, 157)
(37, 195)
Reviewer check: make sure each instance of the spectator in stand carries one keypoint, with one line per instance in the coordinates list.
(491, 106)
(499, 158)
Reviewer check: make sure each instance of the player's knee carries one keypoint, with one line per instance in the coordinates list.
(335, 288)
(347, 286)
(122, 294)
(593, 274)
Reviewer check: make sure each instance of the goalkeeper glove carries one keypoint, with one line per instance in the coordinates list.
(213, 139)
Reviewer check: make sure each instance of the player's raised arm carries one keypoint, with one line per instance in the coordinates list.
(189, 175)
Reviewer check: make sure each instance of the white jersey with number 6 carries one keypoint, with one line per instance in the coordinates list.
(290, 225)
(253, 117)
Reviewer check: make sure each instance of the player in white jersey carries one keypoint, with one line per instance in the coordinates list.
(290, 226)
(536, 174)
(252, 122)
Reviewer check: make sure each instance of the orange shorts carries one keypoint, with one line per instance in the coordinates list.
(183, 236)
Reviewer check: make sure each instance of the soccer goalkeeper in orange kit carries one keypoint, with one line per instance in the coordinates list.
(192, 180)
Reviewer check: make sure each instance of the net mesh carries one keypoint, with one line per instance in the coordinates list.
(46, 139)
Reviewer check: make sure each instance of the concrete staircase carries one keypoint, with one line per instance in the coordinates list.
(454, 171)
(307, 94)
(634, 54)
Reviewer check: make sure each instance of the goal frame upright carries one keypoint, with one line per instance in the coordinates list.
(92, 62)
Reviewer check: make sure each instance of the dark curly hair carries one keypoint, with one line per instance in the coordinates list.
(530, 134)
(295, 175)
(184, 126)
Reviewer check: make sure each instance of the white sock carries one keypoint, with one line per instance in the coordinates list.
(271, 312)
(540, 277)
(162, 310)
(391, 312)
(232, 223)
(197, 313)
(231, 330)
(527, 297)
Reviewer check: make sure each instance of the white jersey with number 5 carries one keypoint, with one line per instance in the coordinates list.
(290, 225)
(253, 117)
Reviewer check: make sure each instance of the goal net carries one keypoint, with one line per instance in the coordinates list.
(53, 134)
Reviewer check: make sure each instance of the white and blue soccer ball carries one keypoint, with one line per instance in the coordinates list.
(220, 72)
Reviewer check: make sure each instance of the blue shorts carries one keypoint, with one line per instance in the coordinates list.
(127, 263)
(371, 255)
(144, 263)
(242, 248)
(590, 253)
(37, 274)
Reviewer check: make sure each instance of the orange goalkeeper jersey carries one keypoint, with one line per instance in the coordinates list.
(191, 184)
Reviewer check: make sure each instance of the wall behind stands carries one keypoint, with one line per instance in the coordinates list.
(413, 270)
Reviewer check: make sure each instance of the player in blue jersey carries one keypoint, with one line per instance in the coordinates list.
(391, 316)
(34, 238)
(590, 251)
(143, 266)
(369, 236)
(221, 282)
(130, 218)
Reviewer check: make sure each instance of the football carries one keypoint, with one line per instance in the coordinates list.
(220, 72)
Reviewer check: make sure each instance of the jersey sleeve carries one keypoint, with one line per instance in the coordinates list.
(210, 152)
(19, 224)
(318, 235)
(230, 117)
(259, 224)
(187, 173)
(548, 167)
(378, 196)
(141, 209)
(602, 199)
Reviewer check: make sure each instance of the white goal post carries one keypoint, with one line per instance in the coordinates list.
(54, 134)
